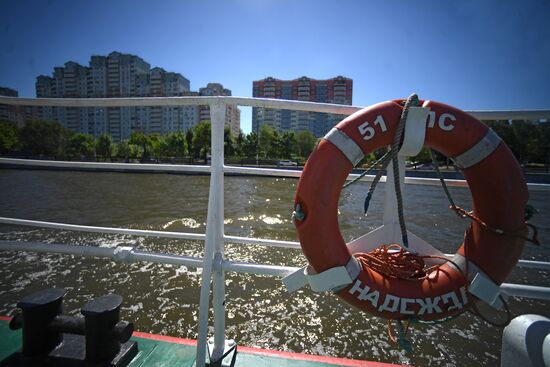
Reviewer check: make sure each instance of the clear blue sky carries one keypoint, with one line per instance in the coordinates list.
(472, 54)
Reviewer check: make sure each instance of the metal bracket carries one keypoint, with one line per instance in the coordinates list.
(331, 279)
(486, 290)
(227, 359)
(124, 253)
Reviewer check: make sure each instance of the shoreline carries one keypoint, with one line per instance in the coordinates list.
(197, 169)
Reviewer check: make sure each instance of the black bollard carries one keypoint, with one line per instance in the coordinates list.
(39, 309)
(104, 332)
(51, 339)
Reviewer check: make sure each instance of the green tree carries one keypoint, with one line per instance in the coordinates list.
(142, 140)
(289, 144)
(266, 139)
(104, 146)
(544, 136)
(43, 138)
(250, 145)
(173, 145)
(9, 136)
(422, 157)
(507, 133)
(228, 142)
(201, 139)
(125, 150)
(306, 143)
(80, 145)
(528, 140)
(189, 141)
(156, 144)
(239, 144)
(276, 148)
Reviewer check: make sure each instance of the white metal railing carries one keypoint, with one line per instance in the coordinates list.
(531, 264)
(245, 101)
(129, 254)
(214, 265)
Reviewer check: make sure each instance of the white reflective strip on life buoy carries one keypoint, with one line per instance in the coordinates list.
(346, 145)
(480, 151)
(331, 279)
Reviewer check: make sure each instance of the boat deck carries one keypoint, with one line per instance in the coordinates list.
(157, 350)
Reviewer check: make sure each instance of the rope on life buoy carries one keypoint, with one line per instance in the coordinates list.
(463, 213)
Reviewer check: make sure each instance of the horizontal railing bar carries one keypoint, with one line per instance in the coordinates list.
(368, 178)
(258, 269)
(125, 167)
(532, 264)
(145, 232)
(532, 114)
(526, 291)
(536, 114)
(287, 104)
(272, 172)
(110, 230)
(175, 168)
(428, 181)
(85, 251)
(195, 262)
(120, 254)
(182, 101)
(262, 242)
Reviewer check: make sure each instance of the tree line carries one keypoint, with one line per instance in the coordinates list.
(529, 141)
(50, 139)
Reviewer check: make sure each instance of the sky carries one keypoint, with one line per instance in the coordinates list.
(475, 55)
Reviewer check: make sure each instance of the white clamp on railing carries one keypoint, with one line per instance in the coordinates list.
(332, 279)
(124, 253)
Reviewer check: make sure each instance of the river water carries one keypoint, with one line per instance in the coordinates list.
(164, 299)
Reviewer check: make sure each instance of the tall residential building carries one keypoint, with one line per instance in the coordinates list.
(337, 90)
(116, 75)
(11, 113)
(232, 112)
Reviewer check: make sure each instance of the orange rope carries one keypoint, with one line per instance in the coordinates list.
(392, 338)
(402, 332)
(466, 214)
(396, 262)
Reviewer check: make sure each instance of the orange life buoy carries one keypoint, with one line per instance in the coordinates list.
(499, 194)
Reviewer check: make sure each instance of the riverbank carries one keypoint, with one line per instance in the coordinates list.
(201, 169)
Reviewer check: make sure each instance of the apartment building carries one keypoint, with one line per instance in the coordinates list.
(117, 75)
(14, 114)
(337, 90)
(232, 112)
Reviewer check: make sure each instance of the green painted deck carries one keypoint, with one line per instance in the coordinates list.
(156, 350)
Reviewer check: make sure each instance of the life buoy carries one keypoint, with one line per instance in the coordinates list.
(499, 194)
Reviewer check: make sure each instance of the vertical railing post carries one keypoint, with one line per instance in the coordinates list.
(214, 245)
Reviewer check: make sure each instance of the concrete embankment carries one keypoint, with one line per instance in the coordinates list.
(13, 163)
